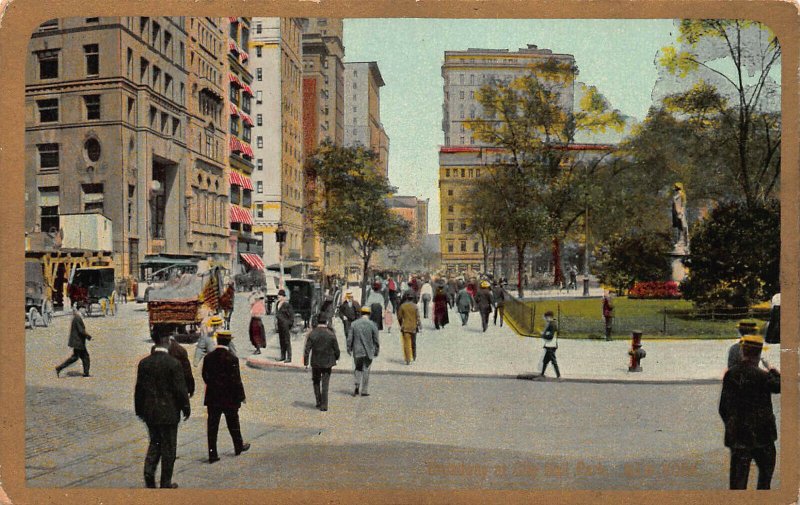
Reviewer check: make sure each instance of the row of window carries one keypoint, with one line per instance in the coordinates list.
(49, 67)
(476, 247)
(465, 172)
(451, 226)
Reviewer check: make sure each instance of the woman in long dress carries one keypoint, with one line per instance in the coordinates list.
(258, 336)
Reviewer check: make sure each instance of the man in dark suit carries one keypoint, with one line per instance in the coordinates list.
(224, 394)
(159, 399)
(324, 349)
(285, 319)
(77, 341)
(177, 351)
(746, 409)
(349, 311)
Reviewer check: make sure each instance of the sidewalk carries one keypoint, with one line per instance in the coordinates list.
(466, 351)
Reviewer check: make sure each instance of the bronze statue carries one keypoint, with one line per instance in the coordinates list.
(679, 221)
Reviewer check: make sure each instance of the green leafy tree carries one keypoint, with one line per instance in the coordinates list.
(730, 100)
(352, 210)
(634, 256)
(533, 120)
(735, 255)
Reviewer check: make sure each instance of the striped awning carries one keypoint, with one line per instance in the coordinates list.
(246, 149)
(240, 215)
(232, 47)
(235, 80)
(254, 260)
(234, 110)
(243, 56)
(235, 144)
(233, 20)
(247, 119)
(247, 90)
(240, 180)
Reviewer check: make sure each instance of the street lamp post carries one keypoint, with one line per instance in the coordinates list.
(280, 238)
(586, 247)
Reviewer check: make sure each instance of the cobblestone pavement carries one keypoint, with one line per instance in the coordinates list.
(428, 432)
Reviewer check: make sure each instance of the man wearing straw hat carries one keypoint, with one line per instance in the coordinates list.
(205, 343)
(745, 407)
(224, 394)
(744, 327)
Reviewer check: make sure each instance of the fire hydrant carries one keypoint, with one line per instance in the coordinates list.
(636, 353)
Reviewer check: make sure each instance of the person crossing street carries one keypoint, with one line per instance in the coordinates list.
(364, 345)
(550, 336)
(77, 341)
(321, 344)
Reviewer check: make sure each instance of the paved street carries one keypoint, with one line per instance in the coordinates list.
(431, 432)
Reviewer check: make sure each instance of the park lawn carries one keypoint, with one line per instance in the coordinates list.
(582, 318)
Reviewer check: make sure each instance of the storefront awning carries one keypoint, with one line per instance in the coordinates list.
(254, 260)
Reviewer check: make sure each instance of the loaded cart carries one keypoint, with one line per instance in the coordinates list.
(175, 308)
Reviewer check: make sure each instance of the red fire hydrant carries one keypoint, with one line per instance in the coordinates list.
(636, 353)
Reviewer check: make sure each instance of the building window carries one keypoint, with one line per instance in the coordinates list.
(258, 96)
(143, 25)
(92, 149)
(49, 25)
(167, 43)
(259, 119)
(164, 122)
(92, 103)
(156, 78)
(144, 65)
(234, 126)
(259, 187)
(153, 116)
(156, 33)
(129, 67)
(259, 141)
(92, 54)
(475, 247)
(48, 64)
(450, 226)
(168, 90)
(48, 110)
(449, 192)
(463, 173)
(259, 164)
(131, 103)
(245, 102)
(258, 28)
(245, 38)
(259, 73)
(92, 197)
(259, 211)
(258, 51)
(246, 133)
(449, 248)
(48, 209)
(461, 94)
(461, 78)
(470, 172)
(463, 246)
(48, 156)
(447, 172)
(176, 127)
(450, 209)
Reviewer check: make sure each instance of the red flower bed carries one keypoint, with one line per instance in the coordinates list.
(655, 290)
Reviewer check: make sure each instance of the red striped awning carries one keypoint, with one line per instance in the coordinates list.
(234, 144)
(247, 90)
(247, 119)
(243, 56)
(234, 110)
(247, 150)
(246, 182)
(235, 80)
(232, 47)
(235, 178)
(233, 20)
(240, 215)
(254, 260)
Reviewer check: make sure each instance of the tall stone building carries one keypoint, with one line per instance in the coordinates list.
(279, 176)
(105, 131)
(246, 243)
(323, 120)
(207, 137)
(362, 110)
(462, 157)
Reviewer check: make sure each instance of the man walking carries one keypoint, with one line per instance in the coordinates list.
(485, 302)
(224, 395)
(392, 285)
(285, 319)
(426, 295)
(77, 341)
(408, 317)
(159, 398)
(363, 345)
(177, 351)
(550, 336)
(608, 312)
(499, 299)
(349, 311)
(745, 406)
(324, 349)
(464, 304)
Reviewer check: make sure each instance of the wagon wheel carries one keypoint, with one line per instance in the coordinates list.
(33, 316)
(47, 312)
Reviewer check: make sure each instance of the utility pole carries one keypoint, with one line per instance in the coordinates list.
(586, 246)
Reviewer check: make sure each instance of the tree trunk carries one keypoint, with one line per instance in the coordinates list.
(364, 280)
(485, 256)
(520, 268)
(494, 261)
(558, 274)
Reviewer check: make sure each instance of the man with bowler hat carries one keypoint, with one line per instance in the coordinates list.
(324, 349)
(285, 318)
(77, 341)
(745, 406)
(363, 345)
(159, 399)
(224, 394)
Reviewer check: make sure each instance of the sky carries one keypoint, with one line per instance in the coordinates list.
(617, 56)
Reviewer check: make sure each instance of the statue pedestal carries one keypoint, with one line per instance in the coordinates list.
(677, 260)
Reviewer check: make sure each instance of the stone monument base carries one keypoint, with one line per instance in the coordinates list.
(678, 267)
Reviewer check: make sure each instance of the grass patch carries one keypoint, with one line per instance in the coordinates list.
(658, 319)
